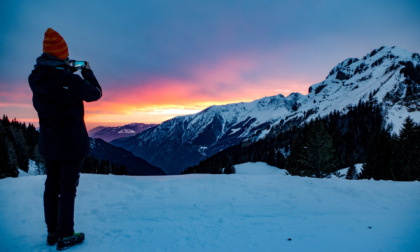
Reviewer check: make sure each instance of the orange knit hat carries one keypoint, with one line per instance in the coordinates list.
(55, 45)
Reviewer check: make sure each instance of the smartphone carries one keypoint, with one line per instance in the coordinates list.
(78, 64)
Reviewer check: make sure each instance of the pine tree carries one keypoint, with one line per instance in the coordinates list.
(408, 152)
(7, 168)
(296, 162)
(379, 161)
(321, 158)
(351, 173)
(230, 169)
(87, 166)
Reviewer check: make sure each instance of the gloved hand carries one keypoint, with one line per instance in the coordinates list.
(87, 66)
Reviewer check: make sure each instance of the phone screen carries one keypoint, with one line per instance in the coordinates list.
(79, 64)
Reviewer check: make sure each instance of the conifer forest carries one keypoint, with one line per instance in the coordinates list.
(326, 145)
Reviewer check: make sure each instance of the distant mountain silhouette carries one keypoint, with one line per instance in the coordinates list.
(110, 133)
(135, 165)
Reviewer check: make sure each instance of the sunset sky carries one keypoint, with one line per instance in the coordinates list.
(162, 58)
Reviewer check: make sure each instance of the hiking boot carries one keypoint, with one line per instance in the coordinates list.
(70, 241)
(52, 239)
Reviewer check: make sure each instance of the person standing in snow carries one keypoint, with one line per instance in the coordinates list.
(58, 95)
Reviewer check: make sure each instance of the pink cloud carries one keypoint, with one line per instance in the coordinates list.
(208, 84)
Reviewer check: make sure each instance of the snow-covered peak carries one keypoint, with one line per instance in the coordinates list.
(389, 51)
(352, 66)
(110, 133)
(378, 75)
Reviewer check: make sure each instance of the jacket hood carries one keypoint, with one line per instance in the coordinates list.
(48, 60)
(47, 76)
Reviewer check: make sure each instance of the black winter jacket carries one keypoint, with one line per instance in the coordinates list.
(58, 96)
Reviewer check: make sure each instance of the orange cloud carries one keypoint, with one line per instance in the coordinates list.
(161, 98)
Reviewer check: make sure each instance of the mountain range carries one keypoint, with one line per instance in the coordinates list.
(110, 133)
(389, 75)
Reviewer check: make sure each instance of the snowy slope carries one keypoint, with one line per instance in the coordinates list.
(185, 140)
(221, 213)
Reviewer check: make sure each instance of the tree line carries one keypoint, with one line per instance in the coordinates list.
(326, 145)
(19, 145)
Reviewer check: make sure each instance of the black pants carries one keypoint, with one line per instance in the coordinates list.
(60, 193)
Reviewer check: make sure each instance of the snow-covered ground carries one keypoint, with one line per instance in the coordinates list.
(257, 209)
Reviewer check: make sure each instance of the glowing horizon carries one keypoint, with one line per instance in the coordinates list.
(145, 104)
(118, 112)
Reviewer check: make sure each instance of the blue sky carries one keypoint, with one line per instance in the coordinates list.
(157, 59)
